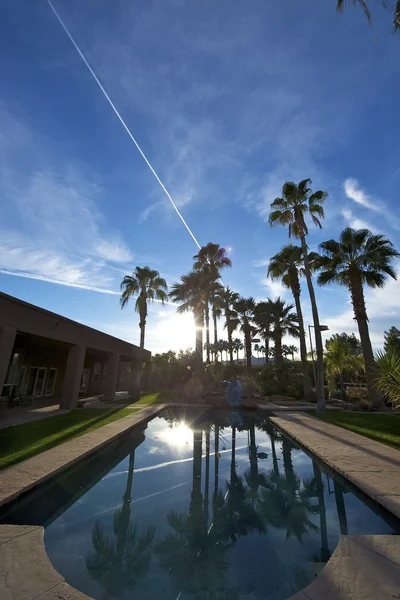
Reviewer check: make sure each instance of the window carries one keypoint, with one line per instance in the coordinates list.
(104, 373)
(51, 381)
(96, 372)
(13, 374)
(39, 383)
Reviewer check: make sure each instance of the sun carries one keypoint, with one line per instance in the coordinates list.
(179, 435)
(177, 332)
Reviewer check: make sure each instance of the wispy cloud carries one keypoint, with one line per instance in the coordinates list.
(262, 262)
(275, 288)
(357, 194)
(354, 191)
(355, 222)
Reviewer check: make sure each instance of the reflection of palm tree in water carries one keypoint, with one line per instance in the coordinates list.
(341, 507)
(254, 479)
(325, 552)
(119, 565)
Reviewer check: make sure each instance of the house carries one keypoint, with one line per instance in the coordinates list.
(45, 355)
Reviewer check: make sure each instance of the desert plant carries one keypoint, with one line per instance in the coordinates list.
(388, 378)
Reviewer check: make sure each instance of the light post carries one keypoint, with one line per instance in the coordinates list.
(321, 328)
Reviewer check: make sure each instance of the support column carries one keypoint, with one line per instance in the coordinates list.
(135, 383)
(72, 377)
(7, 339)
(112, 373)
(147, 376)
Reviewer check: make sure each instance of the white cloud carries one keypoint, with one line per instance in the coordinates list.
(263, 262)
(358, 195)
(51, 226)
(275, 288)
(355, 222)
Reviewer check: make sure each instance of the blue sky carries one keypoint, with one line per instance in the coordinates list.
(228, 100)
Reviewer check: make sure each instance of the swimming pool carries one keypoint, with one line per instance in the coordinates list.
(198, 505)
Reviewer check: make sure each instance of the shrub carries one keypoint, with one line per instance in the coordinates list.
(388, 380)
(283, 380)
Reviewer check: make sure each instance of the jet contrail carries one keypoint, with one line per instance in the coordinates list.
(124, 125)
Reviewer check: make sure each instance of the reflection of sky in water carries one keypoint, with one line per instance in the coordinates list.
(263, 565)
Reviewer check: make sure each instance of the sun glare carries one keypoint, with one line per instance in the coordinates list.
(178, 436)
(177, 332)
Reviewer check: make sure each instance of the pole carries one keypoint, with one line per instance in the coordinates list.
(312, 355)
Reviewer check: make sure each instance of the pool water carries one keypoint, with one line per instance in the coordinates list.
(199, 506)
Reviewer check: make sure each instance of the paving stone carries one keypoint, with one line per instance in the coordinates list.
(9, 532)
(63, 591)
(356, 571)
(25, 570)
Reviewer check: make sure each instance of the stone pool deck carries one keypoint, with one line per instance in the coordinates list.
(371, 466)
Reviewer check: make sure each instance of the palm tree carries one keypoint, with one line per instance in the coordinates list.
(339, 358)
(293, 350)
(237, 346)
(147, 285)
(190, 292)
(296, 202)
(245, 311)
(285, 322)
(388, 375)
(287, 266)
(263, 321)
(262, 350)
(210, 259)
(226, 299)
(257, 349)
(359, 258)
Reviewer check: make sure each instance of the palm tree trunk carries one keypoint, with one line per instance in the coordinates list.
(215, 327)
(342, 388)
(274, 458)
(266, 349)
(253, 452)
(317, 328)
(341, 508)
(229, 329)
(303, 347)
(128, 490)
(207, 315)
(197, 450)
(278, 347)
(199, 323)
(247, 340)
(360, 313)
(237, 355)
(325, 552)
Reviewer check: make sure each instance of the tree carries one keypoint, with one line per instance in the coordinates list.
(237, 346)
(245, 311)
(263, 321)
(285, 322)
(190, 293)
(359, 258)
(296, 202)
(351, 340)
(226, 298)
(364, 5)
(339, 358)
(147, 285)
(292, 350)
(392, 340)
(257, 349)
(287, 266)
(262, 350)
(210, 259)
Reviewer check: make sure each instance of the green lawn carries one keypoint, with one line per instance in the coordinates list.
(23, 441)
(382, 428)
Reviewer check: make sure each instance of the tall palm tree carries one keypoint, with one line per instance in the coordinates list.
(245, 311)
(257, 349)
(285, 322)
(226, 299)
(359, 258)
(190, 293)
(296, 202)
(237, 346)
(147, 285)
(287, 265)
(210, 259)
(263, 321)
(292, 350)
(262, 350)
(340, 358)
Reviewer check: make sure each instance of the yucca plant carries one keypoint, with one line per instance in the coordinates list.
(388, 378)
